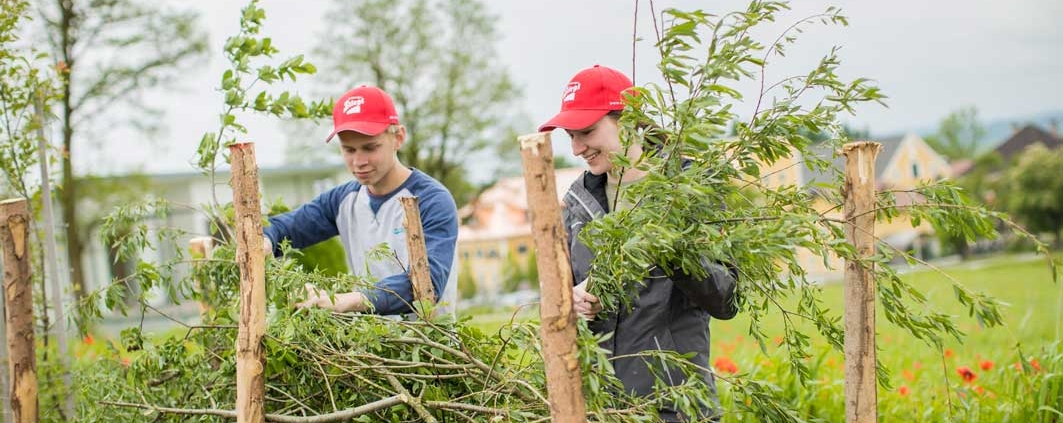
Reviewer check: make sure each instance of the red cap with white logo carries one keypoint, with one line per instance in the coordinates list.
(366, 110)
(589, 96)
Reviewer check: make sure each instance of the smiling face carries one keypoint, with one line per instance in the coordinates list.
(597, 143)
(373, 160)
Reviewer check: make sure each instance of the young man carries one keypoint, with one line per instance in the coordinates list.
(670, 313)
(366, 212)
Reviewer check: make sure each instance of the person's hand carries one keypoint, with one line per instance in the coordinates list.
(585, 304)
(344, 302)
(315, 297)
(267, 246)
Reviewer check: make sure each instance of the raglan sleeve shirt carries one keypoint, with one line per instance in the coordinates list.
(439, 218)
(309, 224)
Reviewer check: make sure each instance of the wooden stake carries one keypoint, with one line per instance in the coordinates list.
(201, 248)
(18, 307)
(420, 274)
(250, 354)
(861, 396)
(558, 327)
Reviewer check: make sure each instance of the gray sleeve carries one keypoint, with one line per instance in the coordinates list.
(713, 293)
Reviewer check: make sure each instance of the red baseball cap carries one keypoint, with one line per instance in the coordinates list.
(591, 94)
(366, 110)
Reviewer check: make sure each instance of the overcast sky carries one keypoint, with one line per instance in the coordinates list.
(929, 57)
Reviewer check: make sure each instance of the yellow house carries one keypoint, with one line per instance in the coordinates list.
(903, 163)
(497, 230)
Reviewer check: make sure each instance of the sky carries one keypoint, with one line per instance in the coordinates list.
(929, 57)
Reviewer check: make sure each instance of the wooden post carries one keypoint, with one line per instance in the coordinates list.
(200, 249)
(861, 396)
(18, 307)
(420, 274)
(558, 320)
(250, 355)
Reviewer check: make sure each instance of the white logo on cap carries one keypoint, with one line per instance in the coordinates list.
(353, 105)
(570, 92)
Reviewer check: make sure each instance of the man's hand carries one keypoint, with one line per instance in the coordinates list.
(346, 302)
(267, 246)
(585, 304)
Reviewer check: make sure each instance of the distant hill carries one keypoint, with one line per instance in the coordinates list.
(998, 130)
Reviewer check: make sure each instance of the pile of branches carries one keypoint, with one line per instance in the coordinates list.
(328, 367)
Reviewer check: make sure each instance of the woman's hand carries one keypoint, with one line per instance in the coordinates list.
(583, 303)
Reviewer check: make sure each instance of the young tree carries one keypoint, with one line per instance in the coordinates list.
(109, 52)
(959, 135)
(1036, 188)
(466, 281)
(437, 59)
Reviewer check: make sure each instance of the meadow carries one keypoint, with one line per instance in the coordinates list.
(1011, 373)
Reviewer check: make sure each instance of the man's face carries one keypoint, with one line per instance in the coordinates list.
(597, 143)
(371, 158)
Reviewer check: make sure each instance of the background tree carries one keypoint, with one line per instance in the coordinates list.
(513, 273)
(1037, 188)
(109, 52)
(466, 281)
(437, 60)
(959, 135)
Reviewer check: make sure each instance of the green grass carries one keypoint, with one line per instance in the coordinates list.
(925, 383)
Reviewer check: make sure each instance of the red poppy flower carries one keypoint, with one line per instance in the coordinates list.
(725, 365)
(966, 373)
(903, 390)
(986, 364)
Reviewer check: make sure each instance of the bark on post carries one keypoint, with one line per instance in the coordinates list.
(558, 327)
(861, 396)
(420, 275)
(250, 354)
(200, 248)
(18, 308)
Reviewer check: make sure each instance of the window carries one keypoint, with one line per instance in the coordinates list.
(521, 249)
(915, 170)
(492, 253)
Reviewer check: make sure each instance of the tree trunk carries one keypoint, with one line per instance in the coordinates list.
(18, 309)
(861, 396)
(251, 259)
(558, 321)
(68, 195)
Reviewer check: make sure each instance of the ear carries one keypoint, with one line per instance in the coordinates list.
(400, 137)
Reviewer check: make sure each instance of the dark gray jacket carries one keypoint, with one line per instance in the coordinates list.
(669, 313)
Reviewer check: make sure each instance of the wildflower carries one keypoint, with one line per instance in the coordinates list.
(917, 365)
(986, 365)
(980, 390)
(1033, 363)
(125, 361)
(908, 375)
(903, 390)
(948, 353)
(966, 373)
(725, 365)
(88, 339)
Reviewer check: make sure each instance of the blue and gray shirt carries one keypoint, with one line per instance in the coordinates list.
(364, 220)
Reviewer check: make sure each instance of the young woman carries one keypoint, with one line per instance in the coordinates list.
(670, 313)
